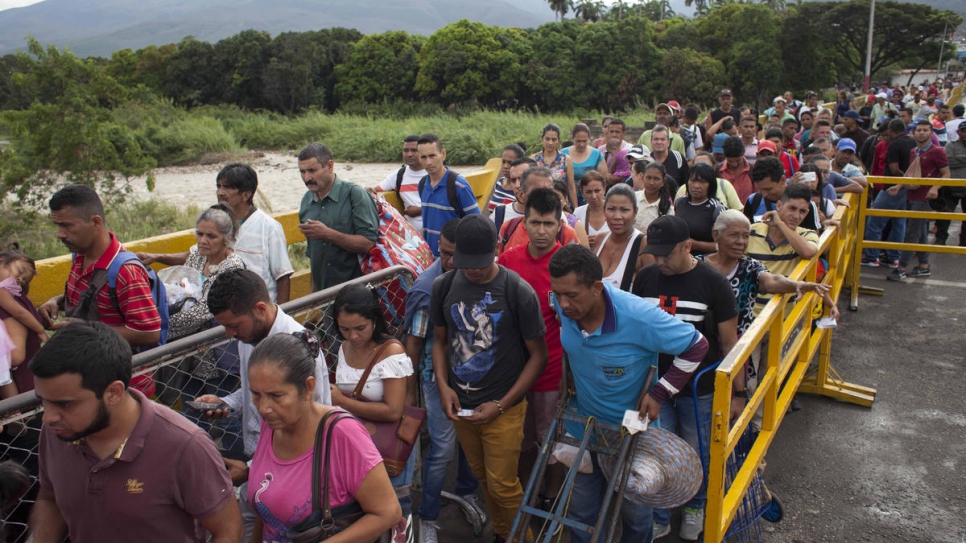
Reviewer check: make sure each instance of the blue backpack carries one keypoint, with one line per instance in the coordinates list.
(87, 306)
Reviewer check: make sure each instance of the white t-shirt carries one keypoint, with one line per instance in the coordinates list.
(409, 191)
(648, 211)
(262, 247)
(508, 214)
(397, 366)
(951, 130)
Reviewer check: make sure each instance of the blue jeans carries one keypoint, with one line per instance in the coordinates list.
(585, 502)
(917, 231)
(403, 479)
(678, 417)
(442, 448)
(875, 225)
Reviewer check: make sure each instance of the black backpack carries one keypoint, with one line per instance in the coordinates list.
(454, 201)
(399, 180)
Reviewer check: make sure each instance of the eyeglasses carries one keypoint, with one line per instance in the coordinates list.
(446, 255)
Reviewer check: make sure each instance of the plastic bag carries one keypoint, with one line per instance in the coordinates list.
(182, 285)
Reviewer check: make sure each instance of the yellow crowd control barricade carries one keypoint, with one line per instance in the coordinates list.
(787, 368)
(52, 272)
(865, 212)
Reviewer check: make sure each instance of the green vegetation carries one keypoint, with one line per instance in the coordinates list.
(102, 122)
(35, 233)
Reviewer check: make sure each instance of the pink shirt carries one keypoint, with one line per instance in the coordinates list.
(281, 491)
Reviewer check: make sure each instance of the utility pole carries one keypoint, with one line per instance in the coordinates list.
(942, 49)
(868, 53)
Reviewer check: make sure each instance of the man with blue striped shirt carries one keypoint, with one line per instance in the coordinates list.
(438, 206)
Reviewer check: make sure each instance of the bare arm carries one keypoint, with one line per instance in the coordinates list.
(854, 186)
(18, 335)
(388, 410)
(168, 259)
(571, 186)
(50, 310)
(46, 523)
(257, 531)
(283, 288)
(489, 411)
(225, 525)
(703, 246)
(377, 498)
(17, 311)
(581, 231)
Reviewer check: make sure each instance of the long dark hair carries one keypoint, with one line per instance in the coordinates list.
(360, 300)
(664, 193)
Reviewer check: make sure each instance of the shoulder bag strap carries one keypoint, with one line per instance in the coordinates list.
(317, 466)
(631, 265)
(372, 362)
(337, 415)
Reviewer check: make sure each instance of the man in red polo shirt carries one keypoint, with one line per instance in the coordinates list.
(78, 213)
(531, 261)
(115, 466)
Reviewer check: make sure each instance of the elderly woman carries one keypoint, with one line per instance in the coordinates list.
(620, 250)
(215, 234)
(281, 376)
(748, 277)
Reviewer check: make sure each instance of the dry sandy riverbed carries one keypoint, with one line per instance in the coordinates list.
(279, 186)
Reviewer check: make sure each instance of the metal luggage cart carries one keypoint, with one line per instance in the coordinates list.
(601, 438)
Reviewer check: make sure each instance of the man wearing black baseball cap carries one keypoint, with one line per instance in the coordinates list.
(488, 351)
(693, 292)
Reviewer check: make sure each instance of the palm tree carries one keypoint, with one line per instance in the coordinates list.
(701, 7)
(590, 10)
(560, 7)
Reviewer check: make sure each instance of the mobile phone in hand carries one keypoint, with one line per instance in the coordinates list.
(207, 406)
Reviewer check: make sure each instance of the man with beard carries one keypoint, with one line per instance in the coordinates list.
(338, 219)
(239, 301)
(260, 242)
(115, 466)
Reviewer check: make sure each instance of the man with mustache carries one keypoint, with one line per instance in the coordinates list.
(338, 218)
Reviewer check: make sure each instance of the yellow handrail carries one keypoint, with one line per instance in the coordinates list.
(52, 272)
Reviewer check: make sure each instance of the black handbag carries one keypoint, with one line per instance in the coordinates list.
(324, 522)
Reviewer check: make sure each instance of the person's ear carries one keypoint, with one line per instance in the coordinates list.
(113, 393)
(597, 288)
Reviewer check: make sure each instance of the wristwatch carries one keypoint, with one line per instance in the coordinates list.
(740, 393)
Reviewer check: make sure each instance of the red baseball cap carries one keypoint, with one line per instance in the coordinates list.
(767, 146)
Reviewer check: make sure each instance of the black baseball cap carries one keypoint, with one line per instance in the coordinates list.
(475, 242)
(664, 234)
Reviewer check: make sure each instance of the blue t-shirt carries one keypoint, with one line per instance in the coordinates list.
(437, 211)
(610, 364)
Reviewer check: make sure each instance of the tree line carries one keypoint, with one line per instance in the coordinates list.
(605, 59)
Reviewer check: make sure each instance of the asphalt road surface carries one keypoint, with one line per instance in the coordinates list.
(895, 472)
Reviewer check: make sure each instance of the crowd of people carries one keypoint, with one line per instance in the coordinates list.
(613, 256)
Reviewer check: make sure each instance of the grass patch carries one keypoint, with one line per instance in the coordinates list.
(37, 238)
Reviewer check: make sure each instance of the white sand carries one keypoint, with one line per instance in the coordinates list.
(279, 186)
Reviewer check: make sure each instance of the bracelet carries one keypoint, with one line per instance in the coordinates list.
(498, 406)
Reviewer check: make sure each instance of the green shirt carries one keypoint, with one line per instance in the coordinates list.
(349, 209)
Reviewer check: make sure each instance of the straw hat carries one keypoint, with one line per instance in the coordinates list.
(665, 471)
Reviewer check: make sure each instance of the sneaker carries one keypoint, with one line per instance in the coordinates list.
(896, 275)
(919, 271)
(427, 531)
(894, 264)
(474, 509)
(661, 530)
(692, 524)
(774, 510)
(870, 262)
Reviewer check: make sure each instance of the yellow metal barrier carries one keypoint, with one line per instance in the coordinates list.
(864, 212)
(52, 272)
(793, 344)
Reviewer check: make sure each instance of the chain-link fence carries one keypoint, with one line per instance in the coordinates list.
(204, 363)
